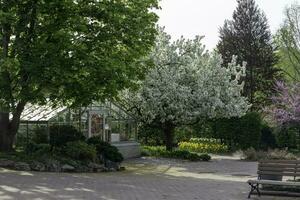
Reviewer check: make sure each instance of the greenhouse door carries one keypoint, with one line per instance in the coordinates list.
(96, 125)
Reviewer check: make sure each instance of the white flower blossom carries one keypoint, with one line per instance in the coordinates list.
(187, 83)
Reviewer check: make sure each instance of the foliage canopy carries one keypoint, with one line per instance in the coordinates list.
(69, 51)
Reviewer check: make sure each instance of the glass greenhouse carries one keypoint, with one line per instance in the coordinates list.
(108, 120)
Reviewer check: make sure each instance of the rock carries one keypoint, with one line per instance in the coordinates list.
(7, 163)
(37, 166)
(53, 166)
(112, 165)
(122, 169)
(100, 170)
(67, 168)
(95, 167)
(22, 166)
(83, 168)
(112, 170)
(105, 169)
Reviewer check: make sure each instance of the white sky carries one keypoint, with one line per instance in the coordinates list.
(204, 17)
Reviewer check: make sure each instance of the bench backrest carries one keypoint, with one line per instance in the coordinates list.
(279, 167)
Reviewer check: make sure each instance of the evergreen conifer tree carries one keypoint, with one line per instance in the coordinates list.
(248, 37)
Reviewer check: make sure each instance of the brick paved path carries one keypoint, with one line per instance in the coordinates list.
(144, 179)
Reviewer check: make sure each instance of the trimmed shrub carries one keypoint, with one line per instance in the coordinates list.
(267, 139)
(205, 157)
(288, 137)
(96, 140)
(181, 154)
(60, 135)
(112, 153)
(80, 150)
(250, 132)
(227, 130)
(105, 150)
(240, 133)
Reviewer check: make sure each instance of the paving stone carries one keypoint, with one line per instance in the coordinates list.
(143, 179)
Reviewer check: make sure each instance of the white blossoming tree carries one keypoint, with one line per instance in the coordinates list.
(187, 84)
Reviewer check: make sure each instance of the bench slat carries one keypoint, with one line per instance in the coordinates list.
(280, 161)
(278, 173)
(274, 169)
(269, 182)
(278, 165)
(279, 193)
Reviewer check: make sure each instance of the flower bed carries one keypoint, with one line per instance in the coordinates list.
(203, 145)
(159, 151)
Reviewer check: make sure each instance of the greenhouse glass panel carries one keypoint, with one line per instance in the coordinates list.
(107, 120)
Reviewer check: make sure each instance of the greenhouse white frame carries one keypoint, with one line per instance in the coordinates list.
(107, 119)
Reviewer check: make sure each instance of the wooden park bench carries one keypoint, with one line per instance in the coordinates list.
(270, 172)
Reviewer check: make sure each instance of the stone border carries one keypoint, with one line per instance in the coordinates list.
(52, 165)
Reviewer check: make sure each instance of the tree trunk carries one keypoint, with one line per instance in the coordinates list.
(9, 129)
(169, 135)
(6, 142)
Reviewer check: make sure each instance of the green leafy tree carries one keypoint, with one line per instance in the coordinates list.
(288, 41)
(248, 37)
(69, 51)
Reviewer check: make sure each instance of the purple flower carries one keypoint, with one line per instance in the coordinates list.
(286, 103)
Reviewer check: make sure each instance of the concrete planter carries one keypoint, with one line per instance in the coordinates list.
(130, 149)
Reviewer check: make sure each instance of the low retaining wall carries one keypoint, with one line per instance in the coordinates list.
(128, 149)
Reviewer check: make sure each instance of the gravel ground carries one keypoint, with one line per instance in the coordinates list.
(223, 178)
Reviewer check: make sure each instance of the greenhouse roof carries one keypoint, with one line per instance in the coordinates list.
(43, 113)
(40, 113)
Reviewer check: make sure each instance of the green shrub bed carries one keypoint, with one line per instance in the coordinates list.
(80, 150)
(203, 145)
(67, 150)
(160, 151)
(105, 150)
